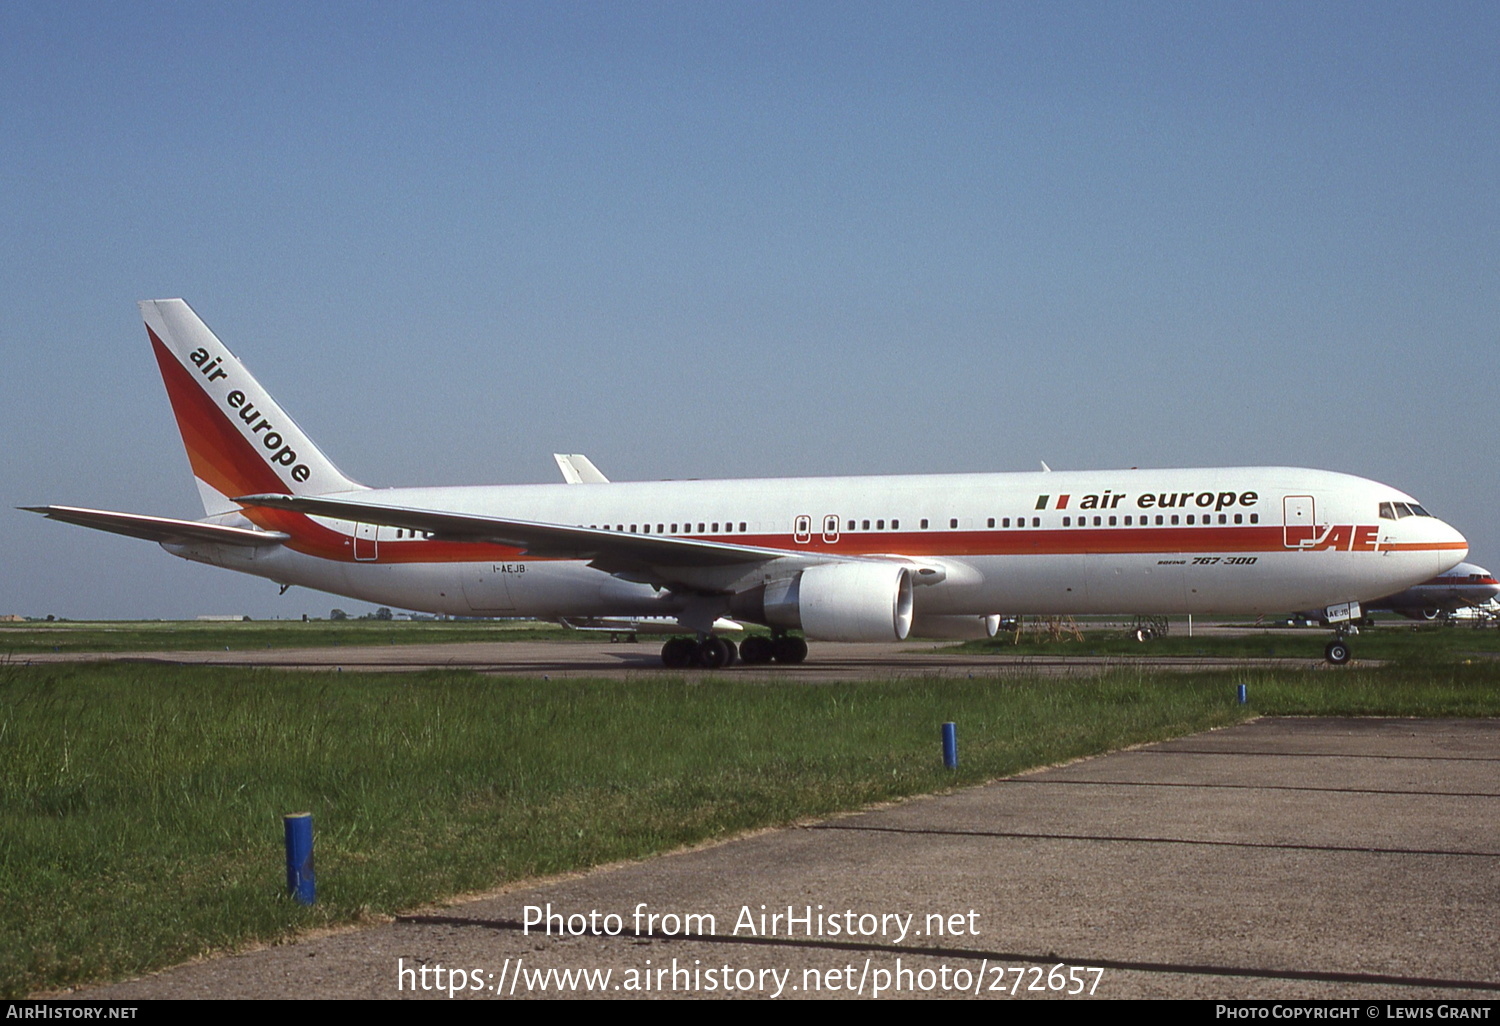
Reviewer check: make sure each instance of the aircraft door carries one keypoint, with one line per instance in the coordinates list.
(487, 587)
(802, 530)
(1299, 520)
(366, 542)
(831, 529)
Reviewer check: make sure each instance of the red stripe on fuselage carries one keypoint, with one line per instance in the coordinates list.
(1164, 541)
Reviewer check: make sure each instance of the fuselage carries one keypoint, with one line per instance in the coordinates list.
(1208, 541)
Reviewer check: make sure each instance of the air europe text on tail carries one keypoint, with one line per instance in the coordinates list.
(238, 440)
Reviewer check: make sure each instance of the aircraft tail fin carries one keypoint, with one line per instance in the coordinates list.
(238, 440)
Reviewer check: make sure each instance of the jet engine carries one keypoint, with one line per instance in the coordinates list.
(843, 602)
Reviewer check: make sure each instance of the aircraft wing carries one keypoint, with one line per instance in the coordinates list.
(158, 529)
(610, 551)
(638, 624)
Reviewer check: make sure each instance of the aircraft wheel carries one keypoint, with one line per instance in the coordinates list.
(755, 650)
(678, 654)
(1337, 652)
(715, 653)
(787, 649)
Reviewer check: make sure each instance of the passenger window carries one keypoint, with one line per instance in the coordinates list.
(953, 523)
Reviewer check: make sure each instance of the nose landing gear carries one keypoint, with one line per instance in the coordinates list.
(1337, 652)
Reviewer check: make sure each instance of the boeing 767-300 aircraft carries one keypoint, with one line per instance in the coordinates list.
(836, 558)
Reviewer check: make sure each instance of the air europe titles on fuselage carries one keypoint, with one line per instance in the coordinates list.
(1212, 501)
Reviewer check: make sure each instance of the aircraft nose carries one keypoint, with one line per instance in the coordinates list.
(1451, 547)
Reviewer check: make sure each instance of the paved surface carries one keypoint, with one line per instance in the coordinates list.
(827, 661)
(1281, 858)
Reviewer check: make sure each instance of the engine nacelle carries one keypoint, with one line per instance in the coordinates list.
(844, 602)
(1418, 612)
(947, 627)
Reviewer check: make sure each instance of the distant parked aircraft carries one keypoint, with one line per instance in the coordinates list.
(1463, 585)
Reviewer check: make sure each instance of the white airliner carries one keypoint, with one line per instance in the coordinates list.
(1458, 587)
(838, 558)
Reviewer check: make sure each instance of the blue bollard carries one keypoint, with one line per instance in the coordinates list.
(299, 857)
(1244, 696)
(950, 745)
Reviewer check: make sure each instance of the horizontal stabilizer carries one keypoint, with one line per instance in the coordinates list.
(158, 529)
(578, 469)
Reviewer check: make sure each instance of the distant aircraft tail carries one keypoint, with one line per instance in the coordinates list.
(238, 441)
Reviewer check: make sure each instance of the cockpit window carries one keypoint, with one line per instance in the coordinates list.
(1400, 510)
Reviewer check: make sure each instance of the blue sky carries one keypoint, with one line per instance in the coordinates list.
(699, 240)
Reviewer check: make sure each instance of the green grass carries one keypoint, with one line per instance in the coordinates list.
(1397, 641)
(140, 806)
(180, 636)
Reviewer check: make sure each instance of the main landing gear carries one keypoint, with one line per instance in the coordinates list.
(711, 653)
(715, 653)
(781, 648)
